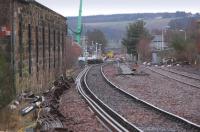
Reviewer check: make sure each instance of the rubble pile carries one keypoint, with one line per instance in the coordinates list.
(44, 107)
(50, 118)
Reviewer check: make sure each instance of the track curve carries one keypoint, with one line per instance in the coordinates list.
(143, 115)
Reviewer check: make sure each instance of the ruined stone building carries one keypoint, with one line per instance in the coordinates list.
(33, 47)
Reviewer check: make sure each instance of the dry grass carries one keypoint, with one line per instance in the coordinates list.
(11, 120)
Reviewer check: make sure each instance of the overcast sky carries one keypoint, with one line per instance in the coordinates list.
(97, 7)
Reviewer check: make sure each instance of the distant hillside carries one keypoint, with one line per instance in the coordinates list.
(115, 31)
(128, 17)
(114, 26)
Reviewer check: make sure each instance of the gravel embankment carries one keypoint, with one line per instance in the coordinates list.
(78, 116)
(142, 116)
(189, 69)
(183, 73)
(168, 94)
(183, 79)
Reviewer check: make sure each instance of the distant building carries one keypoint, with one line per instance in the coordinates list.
(157, 44)
(160, 17)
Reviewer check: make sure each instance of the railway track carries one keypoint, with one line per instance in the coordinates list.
(190, 80)
(122, 111)
(185, 74)
(109, 118)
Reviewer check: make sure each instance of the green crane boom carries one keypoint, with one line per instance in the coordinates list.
(79, 24)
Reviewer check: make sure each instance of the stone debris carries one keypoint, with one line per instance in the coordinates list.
(45, 107)
(50, 117)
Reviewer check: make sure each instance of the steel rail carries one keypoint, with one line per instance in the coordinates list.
(195, 86)
(182, 74)
(110, 118)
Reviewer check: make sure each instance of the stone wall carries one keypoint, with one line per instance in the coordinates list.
(5, 7)
(7, 90)
(40, 46)
(37, 43)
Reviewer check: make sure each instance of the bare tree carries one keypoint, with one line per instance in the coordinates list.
(144, 50)
(97, 36)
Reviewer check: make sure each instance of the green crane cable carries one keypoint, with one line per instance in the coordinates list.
(79, 25)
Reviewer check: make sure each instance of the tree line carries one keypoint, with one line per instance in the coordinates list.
(137, 40)
(184, 45)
